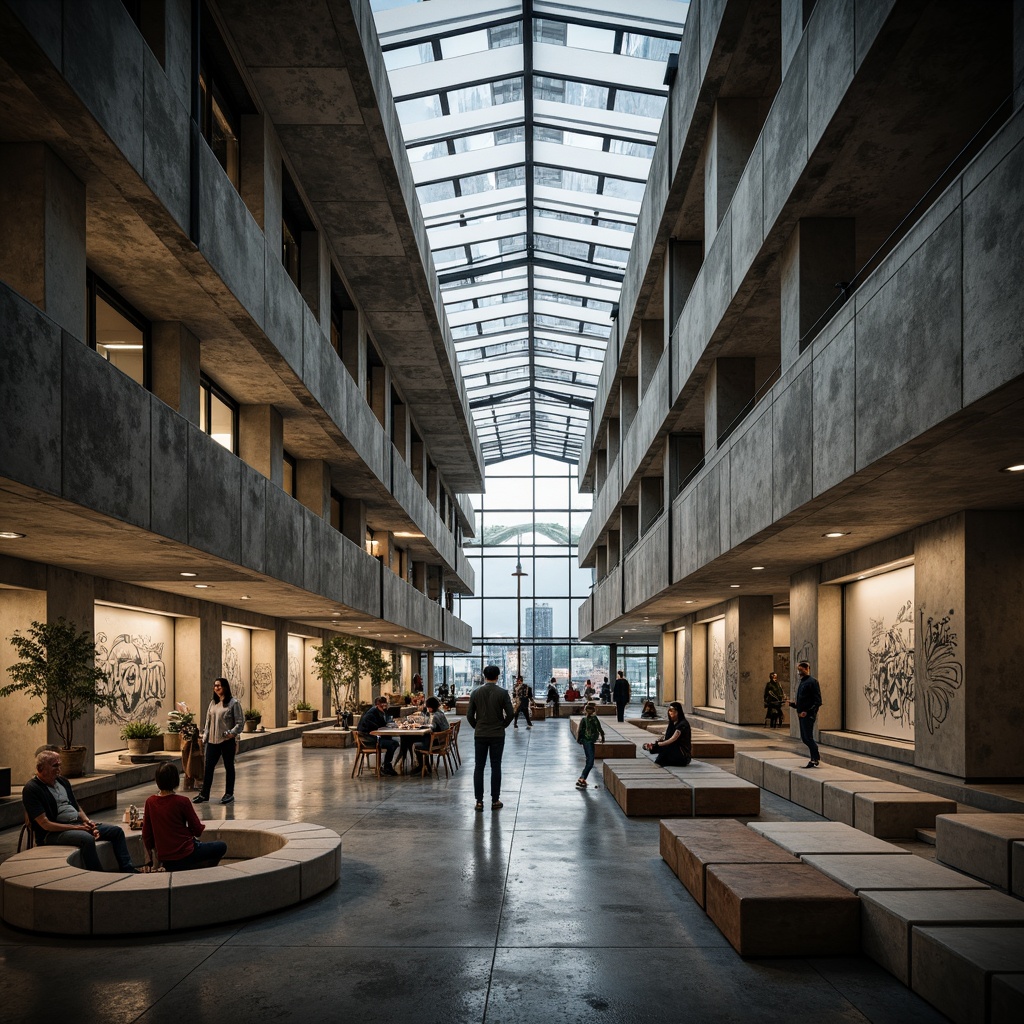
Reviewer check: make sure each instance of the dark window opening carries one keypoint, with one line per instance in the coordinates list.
(218, 414)
(295, 221)
(117, 330)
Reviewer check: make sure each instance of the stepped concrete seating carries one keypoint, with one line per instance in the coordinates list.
(1017, 870)
(568, 709)
(690, 847)
(889, 919)
(984, 845)
(872, 872)
(782, 910)
(642, 788)
(614, 745)
(617, 735)
(955, 969)
(802, 838)
(837, 795)
(879, 812)
(273, 865)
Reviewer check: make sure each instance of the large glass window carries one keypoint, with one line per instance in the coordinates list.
(116, 330)
(218, 414)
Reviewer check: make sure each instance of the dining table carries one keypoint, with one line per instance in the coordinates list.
(407, 736)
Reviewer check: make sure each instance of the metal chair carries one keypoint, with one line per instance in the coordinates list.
(367, 747)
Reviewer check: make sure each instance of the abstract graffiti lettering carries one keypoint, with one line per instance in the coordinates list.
(137, 663)
(294, 679)
(717, 673)
(943, 672)
(732, 670)
(890, 688)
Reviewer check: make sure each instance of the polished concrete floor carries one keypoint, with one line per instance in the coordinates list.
(554, 909)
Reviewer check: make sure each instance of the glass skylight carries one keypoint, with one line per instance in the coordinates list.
(530, 146)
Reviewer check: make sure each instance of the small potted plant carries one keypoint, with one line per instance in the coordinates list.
(303, 712)
(140, 736)
(180, 726)
(253, 717)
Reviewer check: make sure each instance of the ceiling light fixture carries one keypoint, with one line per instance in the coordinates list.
(756, 568)
(203, 586)
(246, 597)
(836, 533)
(10, 535)
(407, 533)
(689, 602)
(189, 574)
(1018, 468)
(734, 586)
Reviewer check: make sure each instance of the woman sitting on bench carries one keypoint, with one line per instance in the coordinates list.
(674, 749)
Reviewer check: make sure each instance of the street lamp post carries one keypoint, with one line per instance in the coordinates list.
(519, 574)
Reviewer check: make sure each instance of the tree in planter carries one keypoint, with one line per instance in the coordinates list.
(56, 666)
(339, 663)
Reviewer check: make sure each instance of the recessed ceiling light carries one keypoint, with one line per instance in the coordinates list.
(860, 577)
(837, 533)
(1018, 468)
(689, 602)
(10, 535)
(203, 586)
(756, 568)
(734, 586)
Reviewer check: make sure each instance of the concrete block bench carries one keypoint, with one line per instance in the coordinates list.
(898, 815)
(805, 784)
(642, 788)
(888, 919)
(274, 864)
(1017, 870)
(332, 738)
(782, 910)
(691, 847)
(981, 844)
(1007, 997)
(874, 872)
(802, 838)
(953, 969)
(712, 746)
(837, 795)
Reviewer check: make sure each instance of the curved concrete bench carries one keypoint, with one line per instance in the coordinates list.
(45, 889)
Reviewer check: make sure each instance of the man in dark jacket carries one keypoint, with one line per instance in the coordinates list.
(489, 715)
(621, 694)
(57, 820)
(377, 718)
(808, 700)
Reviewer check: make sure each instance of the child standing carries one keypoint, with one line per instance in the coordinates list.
(589, 730)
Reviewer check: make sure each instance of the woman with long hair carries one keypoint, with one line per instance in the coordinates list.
(224, 722)
(674, 749)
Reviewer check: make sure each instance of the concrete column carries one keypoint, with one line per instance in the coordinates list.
(697, 667)
(728, 387)
(600, 469)
(683, 261)
(749, 657)
(279, 697)
(795, 14)
(419, 576)
(433, 487)
(968, 648)
(174, 366)
(614, 441)
(72, 595)
(629, 400)
(353, 346)
(816, 632)
(614, 548)
(313, 486)
(418, 462)
(353, 520)
(18, 740)
(601, 559)
(667, 667)
(261, 440)
(820, 253)
(260, 185)
(379, 391)
(652, 500)
(429, 681)
(735, 126)
(265, 673)
(42, 232)
(652, 344)
(629, 526)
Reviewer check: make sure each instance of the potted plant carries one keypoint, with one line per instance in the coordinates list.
(180, 726)
(140, 736)
(303, 712)
(56, 665)
(253, 717)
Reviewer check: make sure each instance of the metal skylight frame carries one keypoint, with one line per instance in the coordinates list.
(530, 150)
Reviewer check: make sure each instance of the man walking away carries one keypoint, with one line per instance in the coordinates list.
(490, 714)
(621, 694)
(808, 700)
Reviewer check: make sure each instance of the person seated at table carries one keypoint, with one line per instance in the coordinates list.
(606, 693)
(438, 723)
(553, 697)
(377, 718)
(675, 748)
(57, 820)
(572, 693)
(588, 691)
(171, 829)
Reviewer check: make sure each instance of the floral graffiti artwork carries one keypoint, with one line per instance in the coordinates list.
(942, 671)
(294, 679)
(137, 663)
(232, 669)
(262, 680)
(717, 673)
(890, 687)
(732, 670)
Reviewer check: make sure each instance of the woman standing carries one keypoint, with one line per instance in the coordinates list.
(674, 749)
(774, 698)
(224, 721)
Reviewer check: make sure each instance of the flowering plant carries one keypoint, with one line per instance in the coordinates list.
(182, 720)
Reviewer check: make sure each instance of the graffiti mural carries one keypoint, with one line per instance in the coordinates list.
(942, 672)
(136, 662)
(294, 679)
(890, 688)
(262, 680)
(716, 663)
(732, 671)
(231, 669)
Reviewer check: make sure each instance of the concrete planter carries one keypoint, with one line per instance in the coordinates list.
(251, 724)
(172, 741)
(72, 762)
(141, 746)
(303, 717)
